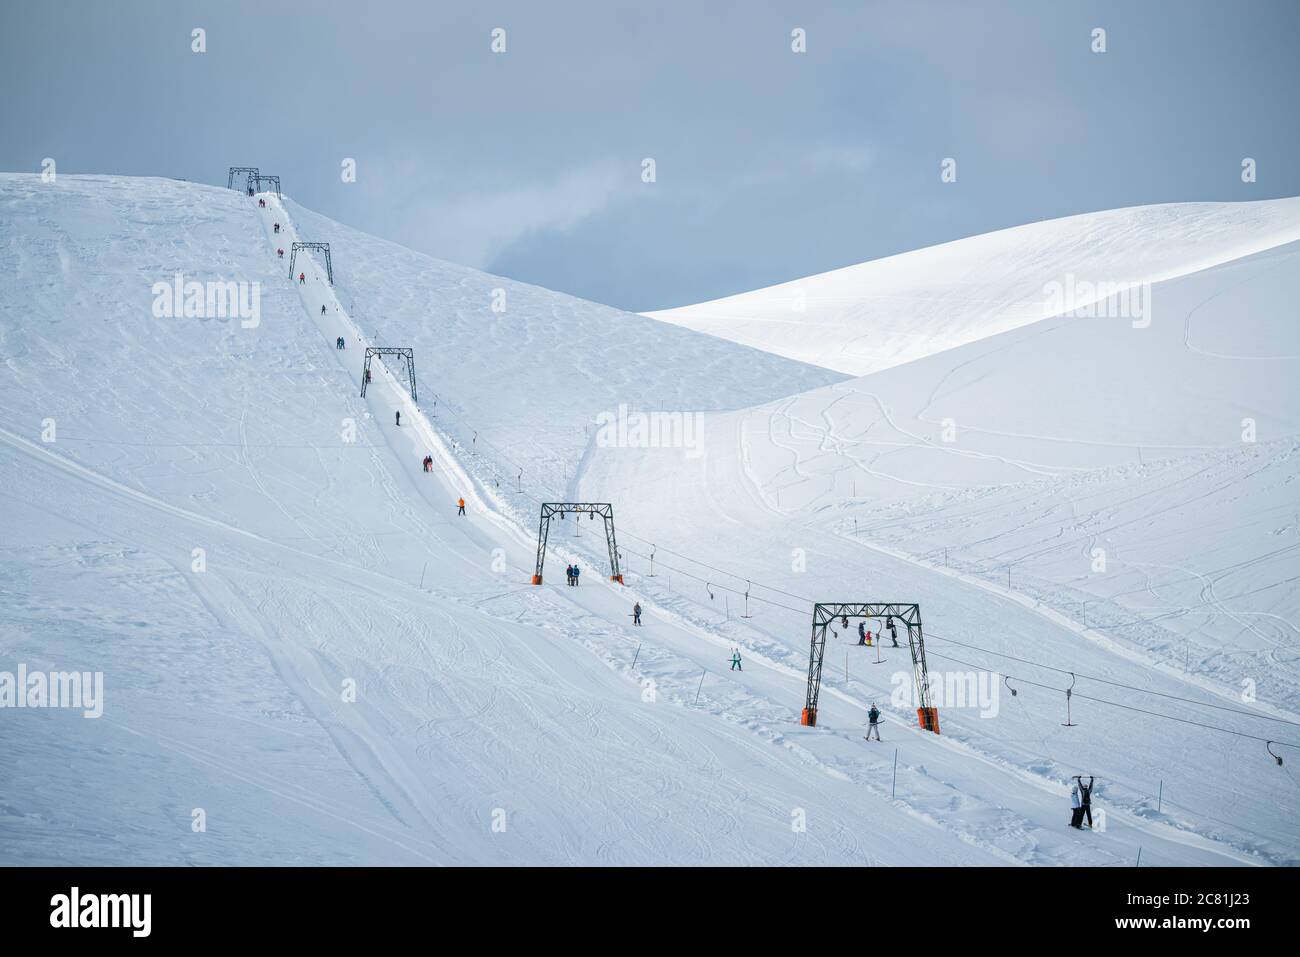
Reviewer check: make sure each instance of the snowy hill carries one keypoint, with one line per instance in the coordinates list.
(1100, 495)
(327, 563)
(348, 672)
(886, 312)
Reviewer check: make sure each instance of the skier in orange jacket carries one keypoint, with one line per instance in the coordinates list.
(460, 506)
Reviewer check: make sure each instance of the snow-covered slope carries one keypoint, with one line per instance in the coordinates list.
(537, 367)
(886, 312)
(1095, 495)
(350, 672)
(347, 671)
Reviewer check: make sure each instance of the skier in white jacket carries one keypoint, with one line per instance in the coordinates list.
(1076, 808)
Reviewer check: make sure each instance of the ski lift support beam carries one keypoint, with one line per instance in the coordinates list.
(825, 613)
(560, 509)
(401, 353)
(317, 247)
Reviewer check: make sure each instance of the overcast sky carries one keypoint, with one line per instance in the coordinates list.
(770, 164)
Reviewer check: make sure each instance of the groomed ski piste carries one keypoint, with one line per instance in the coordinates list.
(308, 651)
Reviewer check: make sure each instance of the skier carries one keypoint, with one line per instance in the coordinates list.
(868, 639)
(322, 309)
(367, 375)
(302, 278)
(277, 227)
(862, 633)
(873, 721)
(735, 660)
(343, 343)
(1085, 791)
(1076, 808)
(636, 614)
(460, 503)
(428, 463)
(280, 253)
(576, 573)
(568, 575)
(893, 630)
(399, 419)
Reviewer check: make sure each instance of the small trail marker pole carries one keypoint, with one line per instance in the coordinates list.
(422, 571)
(637, 655)
(846, 666)
(521, 481)
(894, 784)
(1160, 797)
(652, 561)
(726, 600)
(1139, 860)
(701, 686)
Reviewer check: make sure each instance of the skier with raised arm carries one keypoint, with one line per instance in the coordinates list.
(1085, 794)
(873, 721)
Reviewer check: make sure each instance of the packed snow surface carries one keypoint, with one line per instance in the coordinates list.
(305, 648)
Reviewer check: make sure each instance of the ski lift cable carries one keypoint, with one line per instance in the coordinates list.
(1125, 707)
(709, 582)
(721, 571)
(1116, 684)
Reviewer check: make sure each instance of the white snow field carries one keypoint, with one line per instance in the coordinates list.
(494, 722)
(885, 312)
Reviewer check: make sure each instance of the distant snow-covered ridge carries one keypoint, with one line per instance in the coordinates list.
(875, 315)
